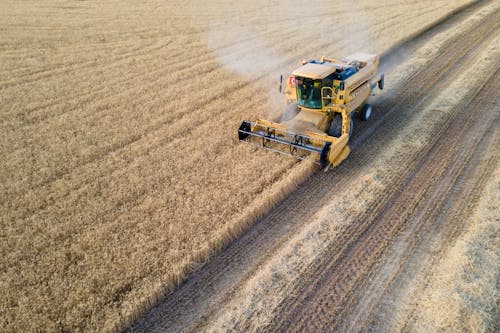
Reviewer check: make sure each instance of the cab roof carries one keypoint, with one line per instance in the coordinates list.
(314, 70)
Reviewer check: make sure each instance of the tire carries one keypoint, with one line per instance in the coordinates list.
(366, 112)
(335, 128)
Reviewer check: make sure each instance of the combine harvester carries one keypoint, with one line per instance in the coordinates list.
(322, 96)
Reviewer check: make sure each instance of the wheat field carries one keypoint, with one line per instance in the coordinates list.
(120, 170)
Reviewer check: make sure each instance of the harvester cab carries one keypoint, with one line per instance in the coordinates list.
(321, 95)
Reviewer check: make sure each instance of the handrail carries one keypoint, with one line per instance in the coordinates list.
(325, 97)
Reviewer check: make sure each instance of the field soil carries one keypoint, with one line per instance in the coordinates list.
(121, 171)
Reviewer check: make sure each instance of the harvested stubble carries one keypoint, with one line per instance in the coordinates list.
(120, 170)
(462, 292)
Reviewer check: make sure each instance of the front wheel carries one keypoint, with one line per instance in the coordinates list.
(335, 128)
(366, 112)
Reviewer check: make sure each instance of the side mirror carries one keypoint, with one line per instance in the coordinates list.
(342, 86)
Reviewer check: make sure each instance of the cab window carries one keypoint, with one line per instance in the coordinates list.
(309, 92)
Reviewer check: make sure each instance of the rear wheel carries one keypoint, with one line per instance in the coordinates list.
(366, 112)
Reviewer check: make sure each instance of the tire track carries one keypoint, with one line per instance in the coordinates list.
(372, 305)
(427, 242)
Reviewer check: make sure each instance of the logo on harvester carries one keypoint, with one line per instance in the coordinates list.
(291, 80)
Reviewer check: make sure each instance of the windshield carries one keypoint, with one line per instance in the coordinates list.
(308, 92)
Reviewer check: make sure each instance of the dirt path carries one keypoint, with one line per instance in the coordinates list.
(331, 286)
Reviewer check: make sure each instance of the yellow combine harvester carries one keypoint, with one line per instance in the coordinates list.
(322, 96)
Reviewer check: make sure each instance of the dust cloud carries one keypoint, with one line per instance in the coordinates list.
(241, 42)
(239, 48)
